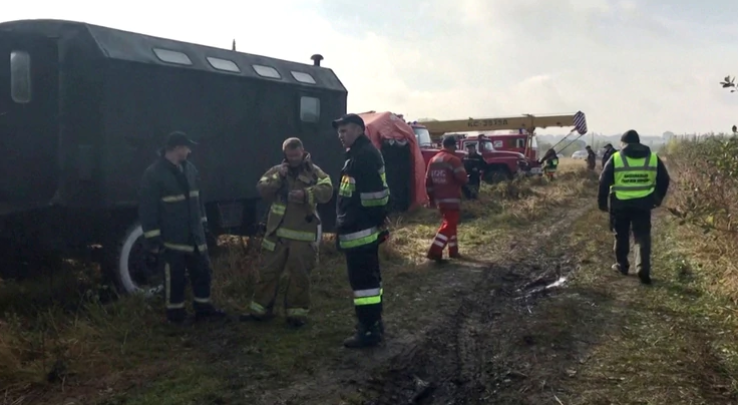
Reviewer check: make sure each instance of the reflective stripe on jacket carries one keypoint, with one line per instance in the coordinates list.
(634, 178)
(361, 206)
(290, 219)
(443, 180)
(171, 208)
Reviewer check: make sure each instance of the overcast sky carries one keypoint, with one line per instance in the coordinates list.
(651, 65)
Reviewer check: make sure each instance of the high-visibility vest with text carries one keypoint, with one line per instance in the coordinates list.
(634, 178)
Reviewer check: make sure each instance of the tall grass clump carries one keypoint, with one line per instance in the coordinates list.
(705, 195)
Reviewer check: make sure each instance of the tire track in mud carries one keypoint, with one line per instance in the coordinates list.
(456, 363)
(451, 359)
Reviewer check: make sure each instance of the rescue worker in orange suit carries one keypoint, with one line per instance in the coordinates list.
(635, 181)
(473, 164)
(361, 212)
(294, 188)
(172, 215)
(591, 158)
(551, 161)
(443, 182)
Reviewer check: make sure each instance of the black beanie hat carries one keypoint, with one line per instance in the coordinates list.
(630, 136)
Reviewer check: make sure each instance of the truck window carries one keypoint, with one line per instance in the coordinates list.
(489, 146)
(309, 109)
(223, 64)
(179, 58)
(20, 77)
(520, 143)
(423, 137)
(266, 71)
(303, 77)
(497, 145)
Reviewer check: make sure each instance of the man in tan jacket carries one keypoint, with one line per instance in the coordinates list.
(294, 188)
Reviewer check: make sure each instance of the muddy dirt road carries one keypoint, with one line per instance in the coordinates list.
(454, 358)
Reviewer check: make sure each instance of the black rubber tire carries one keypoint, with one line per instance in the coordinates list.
(122, 256)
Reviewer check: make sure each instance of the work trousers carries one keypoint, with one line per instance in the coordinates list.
(639, 220)
(471, 189)
(176, 265)
(297, 259)
(446, 235)
(365, 278)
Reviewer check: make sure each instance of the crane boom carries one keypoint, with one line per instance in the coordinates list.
(527, 122)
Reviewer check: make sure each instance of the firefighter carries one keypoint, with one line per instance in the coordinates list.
(591, 158)
(294, 188)
(173, 219)
(361, 209)
(552, 163)
(473, 164)
(443, 182)
(635, 181)
(609, 150)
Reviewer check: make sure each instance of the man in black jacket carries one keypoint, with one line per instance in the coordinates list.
(609, 150)
(473, 164)
(361, 213)
(173, 219)
(635, 181)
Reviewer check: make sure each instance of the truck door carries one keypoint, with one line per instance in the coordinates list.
(29, 81)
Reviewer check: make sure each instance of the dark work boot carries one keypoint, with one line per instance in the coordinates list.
(176, 316)
(645, 278)
(381, 327)
(208, 312)
(364, 337)
(621, 269)
(296, 322)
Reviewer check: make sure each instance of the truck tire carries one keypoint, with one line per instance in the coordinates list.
(496, 175)
(124, 264)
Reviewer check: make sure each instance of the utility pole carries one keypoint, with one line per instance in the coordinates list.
(233, 45)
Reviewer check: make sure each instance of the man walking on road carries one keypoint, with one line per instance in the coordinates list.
(294, 188)
(361, 213)
(172, 215)
(443, 182)
(635, 181)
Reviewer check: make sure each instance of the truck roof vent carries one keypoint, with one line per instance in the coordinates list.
(316, 59)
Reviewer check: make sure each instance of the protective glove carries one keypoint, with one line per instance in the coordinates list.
(152, 258)
(338, 244)
(383, 236)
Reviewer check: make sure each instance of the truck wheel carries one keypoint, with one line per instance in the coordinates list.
(125, 264)
(496, 176)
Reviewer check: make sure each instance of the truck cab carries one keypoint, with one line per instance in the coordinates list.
(500, 165)
(520, 142)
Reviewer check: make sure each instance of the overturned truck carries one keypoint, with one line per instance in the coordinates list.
(84, 108)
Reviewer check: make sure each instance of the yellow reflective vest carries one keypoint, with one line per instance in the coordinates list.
(289, 219)
(634, 178)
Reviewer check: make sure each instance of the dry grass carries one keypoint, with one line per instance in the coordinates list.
(77, 347)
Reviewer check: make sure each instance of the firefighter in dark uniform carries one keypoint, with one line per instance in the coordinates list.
(361, 213)
(172, 214)
(635, 181)
(473, 164)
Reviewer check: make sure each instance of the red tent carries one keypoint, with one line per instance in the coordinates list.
(386, 125)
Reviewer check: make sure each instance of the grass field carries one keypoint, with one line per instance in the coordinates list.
(472, 331)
